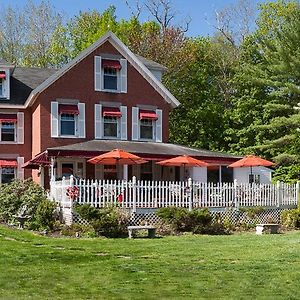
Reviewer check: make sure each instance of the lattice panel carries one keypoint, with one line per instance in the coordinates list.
(234, 217)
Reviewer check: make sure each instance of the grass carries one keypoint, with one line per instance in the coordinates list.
(241, 266)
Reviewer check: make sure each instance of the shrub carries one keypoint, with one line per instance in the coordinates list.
(44, 216)
(183, 220)
(30, 196)
(108, 222)
(291, 218)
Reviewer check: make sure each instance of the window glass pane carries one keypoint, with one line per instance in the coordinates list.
(146, 171)
(67, 124)
(227, 174)
(110, 79)
(67, 169)
(1, 86)
(146, 129)
(7, 175)
(8, 131)
(110, 172)
(254, 178)
(110, 126)
(213, 174)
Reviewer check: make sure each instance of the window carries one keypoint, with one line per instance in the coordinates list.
(1, 86)
(7, 175)
(110, 126)
(254, 178)
(67, 169)
(67, 124)
(8, 131)
(146, 129)
(110, 172)
(110, 80)
(146, 171)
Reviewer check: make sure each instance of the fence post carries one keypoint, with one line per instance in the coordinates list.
(134, 194)
(278, 194)
(235, 198)
(297, 193)
(190, 193)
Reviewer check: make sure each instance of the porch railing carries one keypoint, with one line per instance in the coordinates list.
(155, 194)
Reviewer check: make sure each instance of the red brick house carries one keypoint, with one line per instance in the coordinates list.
(105, 98)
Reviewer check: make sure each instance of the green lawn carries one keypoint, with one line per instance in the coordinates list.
(241, 266)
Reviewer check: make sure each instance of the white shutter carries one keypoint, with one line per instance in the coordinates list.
(54, 119)
(98, 121)
(81, 120)
(20, 128)
(124, 123)
(135, 123)
(98, 75)
(20, 170)
(99, 171)
(158, 129)
(123, 72)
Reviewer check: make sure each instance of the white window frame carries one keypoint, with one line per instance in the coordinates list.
(76, 127)
(15, 129)
(2, 87)
(118, 75)
(15, 173)
(153, 130)
(118, 129)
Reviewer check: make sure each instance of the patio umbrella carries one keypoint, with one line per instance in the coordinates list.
(117, 157)
(183, 161)
(251, 161)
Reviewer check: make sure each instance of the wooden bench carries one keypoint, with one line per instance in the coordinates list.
(267, 228)
(151, 230)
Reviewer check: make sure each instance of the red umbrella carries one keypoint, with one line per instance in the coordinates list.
(117, 157)
(183, 161)
(251, 161)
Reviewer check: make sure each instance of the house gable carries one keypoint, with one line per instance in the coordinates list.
(124, 52)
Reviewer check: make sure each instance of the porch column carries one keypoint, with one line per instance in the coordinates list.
(42, 176)
(220, 174)
(52, 169)
(125, 172)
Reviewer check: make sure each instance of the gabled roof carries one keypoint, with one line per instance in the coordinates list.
(23, 81)
(131, 57)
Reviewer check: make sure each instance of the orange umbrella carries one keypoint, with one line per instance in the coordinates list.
(251, 161)
(117, 157)
(183, 161)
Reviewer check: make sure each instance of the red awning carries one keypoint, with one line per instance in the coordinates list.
(111, 112)
(68, 109)
(110, 63)
(148, 114)
(2, 75)
(8, 163)
(8, 118)
(39, 160)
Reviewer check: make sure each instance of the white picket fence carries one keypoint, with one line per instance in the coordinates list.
(135, 194)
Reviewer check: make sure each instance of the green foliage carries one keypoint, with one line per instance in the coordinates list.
(291, 218)
(289, 174)
(44, 216)
(252, 212)
(183, 220)
(31, 197)
(108, 222)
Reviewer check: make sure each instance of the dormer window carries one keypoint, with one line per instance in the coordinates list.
(111, 73)
(2, 81)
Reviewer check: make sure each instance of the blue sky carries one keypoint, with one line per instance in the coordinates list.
(200, 11)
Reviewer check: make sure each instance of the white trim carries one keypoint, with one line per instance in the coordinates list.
(132, 59)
